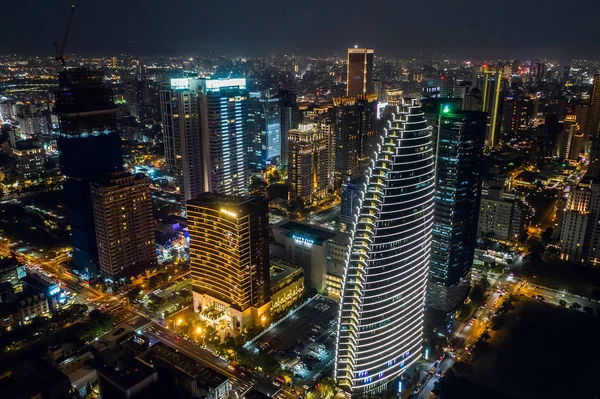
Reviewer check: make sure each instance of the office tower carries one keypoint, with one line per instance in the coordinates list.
(204, 123)
(89, 146)
(594, 130)
(489, 81)
(290, 118)
(307, 164)
(180, 104)
(380, 326)
(433, 106)
(355, 134)
(264, 124)
(229, 257)
(360, 72)
(124, 224)
(459, 167)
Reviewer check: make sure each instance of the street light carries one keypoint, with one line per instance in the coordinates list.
(198, 330)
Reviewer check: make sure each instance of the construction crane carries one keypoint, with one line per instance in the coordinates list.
(60, 52)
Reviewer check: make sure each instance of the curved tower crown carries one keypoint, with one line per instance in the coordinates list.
(381, 315)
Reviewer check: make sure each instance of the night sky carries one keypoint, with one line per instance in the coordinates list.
(470, 29)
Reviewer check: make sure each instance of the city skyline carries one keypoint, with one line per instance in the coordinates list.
(479, 30)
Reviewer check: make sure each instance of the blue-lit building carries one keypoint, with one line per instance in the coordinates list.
(90, 146)
(225, 158)
(205, 124)
(380, 328)
(264, 124)
(459, 150)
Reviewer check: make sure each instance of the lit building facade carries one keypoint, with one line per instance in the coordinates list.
(180, 104)
(229, 259)
(502, 217)
(459, 156)
(205, 123)
(489, 80)
(124, 224)
(594, 130)
(28, 160)
(264, 123)
(225, 156)
(307, 163)
(380, 329)
(360, 72)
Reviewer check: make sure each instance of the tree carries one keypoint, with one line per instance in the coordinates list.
(326, 388)
(547, 235)
(588, 310)
(479, 289)
(575, 306)
(562, 303)
(462, 368)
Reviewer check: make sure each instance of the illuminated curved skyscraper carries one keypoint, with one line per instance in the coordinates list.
(381, 315)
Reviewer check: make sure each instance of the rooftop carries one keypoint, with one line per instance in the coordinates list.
(303, 230)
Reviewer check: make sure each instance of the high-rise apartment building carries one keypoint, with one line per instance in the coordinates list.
(359, 79)
(90, 146)
(459, 156)
(380, 327)
(180, 104)
(502, 217)
(307, 164)
(124, 224)
(355, 134)
(225, 157)
(575, 221)
(322, 118)
(594, 130)
(264, 136)
(205, 126)
(571, 140)
(229, 259)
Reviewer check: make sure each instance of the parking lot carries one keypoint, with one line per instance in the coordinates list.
(304, 343)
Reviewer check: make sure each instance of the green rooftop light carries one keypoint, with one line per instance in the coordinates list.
(446, 109)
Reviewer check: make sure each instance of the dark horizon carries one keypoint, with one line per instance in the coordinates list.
(434, 28)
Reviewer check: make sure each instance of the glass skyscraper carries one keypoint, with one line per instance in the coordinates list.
(264, 124)
(459, 153)
(380, 327)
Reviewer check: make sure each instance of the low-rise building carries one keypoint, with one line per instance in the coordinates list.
(185, 372)
(320, 252)
(287, 285)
